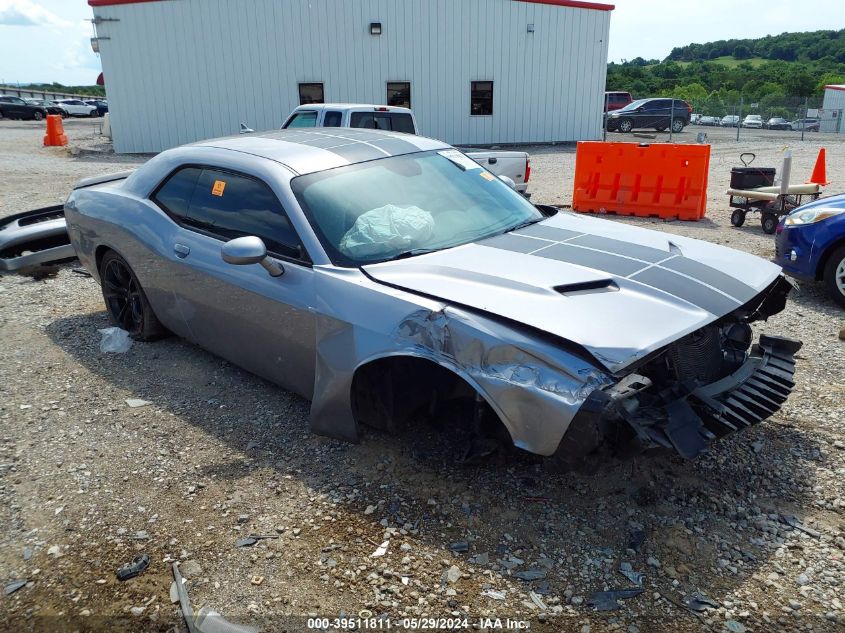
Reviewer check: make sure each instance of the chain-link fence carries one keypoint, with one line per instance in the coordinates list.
(799, 115)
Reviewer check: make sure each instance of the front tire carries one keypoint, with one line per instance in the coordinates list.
(37, 116)
(769, 222)
(126, 301)
(93, 114)
(834, 276)
(625, 126)
(738, 217)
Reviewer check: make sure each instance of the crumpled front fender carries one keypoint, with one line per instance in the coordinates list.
(533, 385)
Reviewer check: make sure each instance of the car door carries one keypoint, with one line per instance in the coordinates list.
(264, 324)
(18, 107)
(658, 113)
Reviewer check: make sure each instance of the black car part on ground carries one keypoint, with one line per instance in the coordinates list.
(709, 384)
(34, 238)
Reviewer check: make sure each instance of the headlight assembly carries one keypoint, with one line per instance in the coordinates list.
(810, 216)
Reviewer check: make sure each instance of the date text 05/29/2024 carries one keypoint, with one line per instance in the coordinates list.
(419, 624)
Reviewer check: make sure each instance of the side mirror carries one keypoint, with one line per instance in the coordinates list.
(510, 183)
(249, 250)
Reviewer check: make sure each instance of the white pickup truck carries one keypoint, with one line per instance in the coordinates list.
(514, 165)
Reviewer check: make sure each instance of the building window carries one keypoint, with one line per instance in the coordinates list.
(310, 93)
(399, 93)
(481, 98)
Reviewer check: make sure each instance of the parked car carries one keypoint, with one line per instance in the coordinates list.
(386, 276)
(753, 121)
(616, 100)
(778, 123)
(709, 120)
(51, 107)
(650, 113)
(516, 166)
(808, 125)
(101, 104)
(16, 108)
(810, 244)
(77, 107)
(731, 120)
(694, 118)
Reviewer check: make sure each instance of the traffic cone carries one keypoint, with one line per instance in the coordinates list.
(819, 176)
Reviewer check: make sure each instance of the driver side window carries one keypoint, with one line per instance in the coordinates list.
(229, 205)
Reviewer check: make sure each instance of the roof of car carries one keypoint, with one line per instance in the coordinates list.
(306, 151)
(350, 106)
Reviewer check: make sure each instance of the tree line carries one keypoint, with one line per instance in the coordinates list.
(776, 86)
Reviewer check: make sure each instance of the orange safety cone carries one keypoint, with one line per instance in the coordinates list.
(55, 131)
(819, 176)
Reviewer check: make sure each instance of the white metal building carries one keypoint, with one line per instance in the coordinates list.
(833, 108)
(475, 71)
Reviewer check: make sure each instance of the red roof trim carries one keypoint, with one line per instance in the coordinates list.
(576, 4)
(106, 3)
(834, 87)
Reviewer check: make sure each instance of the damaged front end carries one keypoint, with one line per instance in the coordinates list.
(710, 383)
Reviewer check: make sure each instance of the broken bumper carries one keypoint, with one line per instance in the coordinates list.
(33, 239)
(749, 395)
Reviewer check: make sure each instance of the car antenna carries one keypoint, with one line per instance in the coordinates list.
(245, 129)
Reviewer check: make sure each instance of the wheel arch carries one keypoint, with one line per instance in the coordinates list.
(428, 366)
(826, 255)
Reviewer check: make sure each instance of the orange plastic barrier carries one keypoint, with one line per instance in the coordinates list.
(663, 180)
(55, 131)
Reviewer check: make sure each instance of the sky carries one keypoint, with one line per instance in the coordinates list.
(49, 40)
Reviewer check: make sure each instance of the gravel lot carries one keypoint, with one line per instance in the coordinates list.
(89, 482)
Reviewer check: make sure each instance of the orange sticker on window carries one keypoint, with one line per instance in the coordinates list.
(487, 175)
(217, 189)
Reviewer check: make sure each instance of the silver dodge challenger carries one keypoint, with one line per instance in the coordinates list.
(384, 276)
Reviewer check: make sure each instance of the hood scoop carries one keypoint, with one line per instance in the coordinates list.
(588, 287)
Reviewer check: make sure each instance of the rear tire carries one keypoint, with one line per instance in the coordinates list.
(834, 276)
(677, 126)
(769, 222)
(738, 217)
(126, 301)
(37, 116)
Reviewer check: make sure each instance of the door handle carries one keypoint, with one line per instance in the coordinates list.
(492, 161)
(181, 250)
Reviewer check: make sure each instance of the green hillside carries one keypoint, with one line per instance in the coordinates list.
(778, 72)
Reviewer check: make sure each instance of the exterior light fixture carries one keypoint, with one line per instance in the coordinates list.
(95, 44)
(530, 28)
(375, 28)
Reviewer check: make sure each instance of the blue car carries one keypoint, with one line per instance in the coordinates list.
(810, 244)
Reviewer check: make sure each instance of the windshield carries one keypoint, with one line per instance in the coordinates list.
(633, 105)
(402, 205)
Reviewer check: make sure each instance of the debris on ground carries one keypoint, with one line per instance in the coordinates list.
(130, 570)
(13, 586)
(381, 550)
(635, 577)
(246, 542)
(135, 403)
(531, 574)
(493, 594)
(609, 600)
(115, 340)
(459, 547)
(699, 602)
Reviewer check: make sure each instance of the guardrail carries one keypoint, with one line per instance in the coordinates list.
(34, 93)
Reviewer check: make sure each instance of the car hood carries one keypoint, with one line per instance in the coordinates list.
(618, 291)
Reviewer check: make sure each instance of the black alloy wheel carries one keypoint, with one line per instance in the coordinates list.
(125, 300)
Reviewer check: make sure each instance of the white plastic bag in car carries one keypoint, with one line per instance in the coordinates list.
(386, 229)
(115, 340)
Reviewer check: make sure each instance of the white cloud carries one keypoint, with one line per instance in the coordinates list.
(28, 13)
